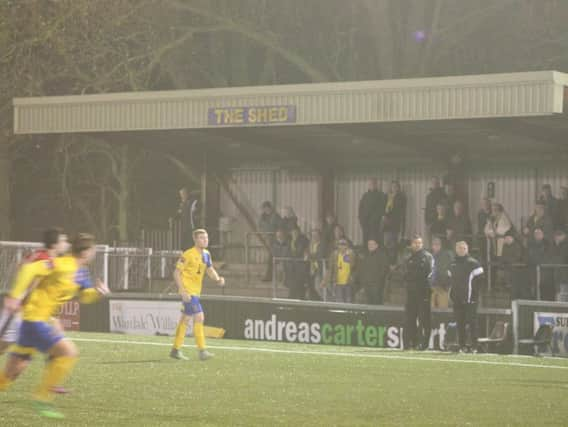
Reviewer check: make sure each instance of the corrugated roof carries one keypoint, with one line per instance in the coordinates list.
(493, 95)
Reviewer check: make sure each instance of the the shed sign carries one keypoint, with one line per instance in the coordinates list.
(256, 115)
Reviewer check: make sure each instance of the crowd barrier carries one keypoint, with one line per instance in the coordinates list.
(264, 319)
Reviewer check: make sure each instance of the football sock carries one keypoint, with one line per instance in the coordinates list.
(199, 335)
(180, 334)
(54, 373)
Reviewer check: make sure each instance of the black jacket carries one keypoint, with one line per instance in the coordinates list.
(288, 223)
(438, 227)
(418, 270)
(184, 216)
(482, 218)
(373, 268)
(372, 207)
(463, 274)
(538, 252)
(435, 196)
(394, 217)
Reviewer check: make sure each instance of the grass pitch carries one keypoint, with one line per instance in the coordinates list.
(130, 381)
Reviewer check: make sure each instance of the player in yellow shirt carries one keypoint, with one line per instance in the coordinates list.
(55, 244)
(189, 273)
(62, 279)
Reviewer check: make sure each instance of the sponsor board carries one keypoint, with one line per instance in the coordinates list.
(361, 333)
(283, 321)
(70, 315)
(559, 323)
(144, 317)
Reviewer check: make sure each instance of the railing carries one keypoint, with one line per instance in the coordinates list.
(138, 270)
(163, 239)
(119, 267)
(11, 255)
(260, 236)
(558, 279)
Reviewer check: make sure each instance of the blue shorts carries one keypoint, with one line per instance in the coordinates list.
(192, 307)
(35, 336)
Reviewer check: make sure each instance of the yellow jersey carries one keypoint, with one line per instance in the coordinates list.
(61, 280)
(343, 269)
(192, 266)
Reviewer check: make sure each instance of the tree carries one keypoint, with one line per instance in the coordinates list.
(55, 47)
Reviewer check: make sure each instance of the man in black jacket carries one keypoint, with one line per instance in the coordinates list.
(417, 277)
(372, 272)
(434, 197)
(464, 293)
(188, 216)
(297, 270)
(371, 211)
(393, 219)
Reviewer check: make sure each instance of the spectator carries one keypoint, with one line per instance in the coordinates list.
(483, 216)
(372, 272)
(187, 217)
(268, 223)
(451, 198)
(435, 197)
(539, 219)
(558, 254)
(339, 234)
(393, 220)
(514, 274)
(459, 225)
(440, 223)
(341, 272)
(371, 211)
(316, 255)
(538, 249)
(563, 208)
(443, 259)
(464, 294)
(417, 278)
(280, 249)
(496, 228)
(298, 268)
(289, 219)
(552, 206)
(328, 239)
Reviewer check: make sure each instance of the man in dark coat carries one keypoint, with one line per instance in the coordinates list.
(464, 293)
(187, 216)
(372, 272)
(297, 270)
(394, 219)
(515, 273)
(417, 278)
(435, 196)
(557, 254)
(371, 211)
(553, 207)
(268, 223)
(459, 225)
(538, 251)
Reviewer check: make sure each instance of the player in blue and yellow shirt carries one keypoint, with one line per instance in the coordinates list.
(62, 279)
(189, 273)
(55, 244)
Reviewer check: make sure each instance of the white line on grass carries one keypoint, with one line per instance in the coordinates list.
(331, 353)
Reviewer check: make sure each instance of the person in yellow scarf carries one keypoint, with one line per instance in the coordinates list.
(340, 272)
